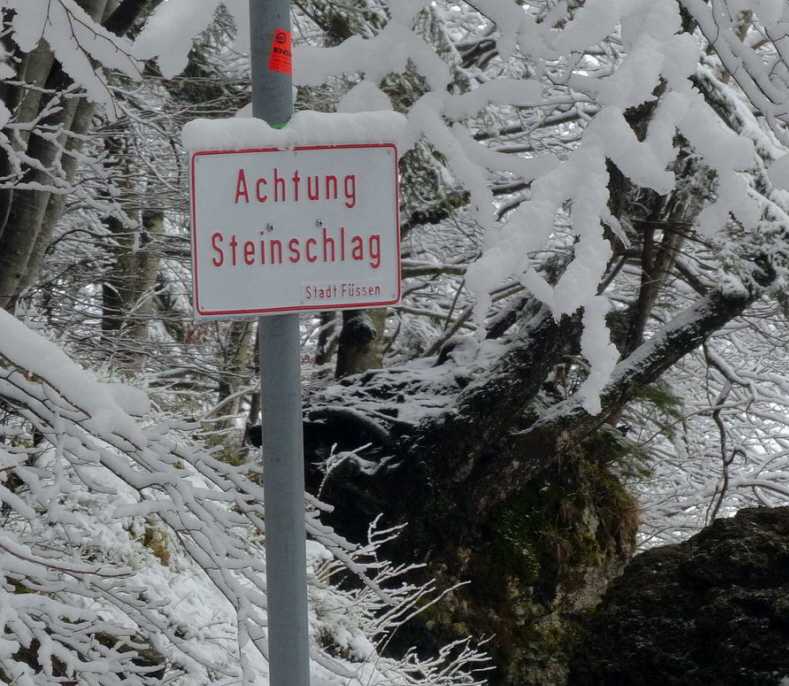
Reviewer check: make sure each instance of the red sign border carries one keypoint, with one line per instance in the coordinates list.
(217, 314)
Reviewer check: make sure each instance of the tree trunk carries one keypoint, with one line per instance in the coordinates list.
(127, 292)
(236, 374)
(327, 343)
(30, 214)
(361, 344)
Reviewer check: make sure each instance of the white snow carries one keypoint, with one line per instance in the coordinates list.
(769, 11)
(111, 474)
(29, 351)
(590, 25)
(635, 159)
(5, 114)
(304, 128)
(500, 91)
(389, 52)
(28, 22)
(779, 173)
(169, 33)
(365, 96)
(75, 39)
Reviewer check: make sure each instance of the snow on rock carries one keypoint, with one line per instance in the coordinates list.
(304, 128)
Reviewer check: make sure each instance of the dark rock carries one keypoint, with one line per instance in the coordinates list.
(711, 611)
(526, 581)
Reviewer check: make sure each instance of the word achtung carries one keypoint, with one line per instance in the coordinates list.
(277, 187)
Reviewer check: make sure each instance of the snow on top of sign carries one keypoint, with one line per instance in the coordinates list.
(304, 128)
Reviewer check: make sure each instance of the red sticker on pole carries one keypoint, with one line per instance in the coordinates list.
(280, 57)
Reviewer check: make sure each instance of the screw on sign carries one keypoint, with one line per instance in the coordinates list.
(280, 57)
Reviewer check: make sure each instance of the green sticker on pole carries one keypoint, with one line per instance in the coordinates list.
(280, 58)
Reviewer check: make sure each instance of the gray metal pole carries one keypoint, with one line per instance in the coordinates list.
(283, 484)
(280, 387)
(272, 90)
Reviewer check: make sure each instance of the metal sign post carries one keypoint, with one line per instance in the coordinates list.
(280, 386)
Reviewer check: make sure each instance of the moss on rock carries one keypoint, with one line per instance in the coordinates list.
(542, 558)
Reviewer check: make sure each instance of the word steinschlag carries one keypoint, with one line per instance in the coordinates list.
(326, 245)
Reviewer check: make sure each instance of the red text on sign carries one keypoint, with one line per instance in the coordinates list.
(282, 187)
(325, 248)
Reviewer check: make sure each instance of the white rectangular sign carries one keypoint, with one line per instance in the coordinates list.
(312, 228)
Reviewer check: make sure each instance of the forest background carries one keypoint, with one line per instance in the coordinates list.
(590, 352)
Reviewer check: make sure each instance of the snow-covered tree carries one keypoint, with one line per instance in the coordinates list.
(106, 578)
(594, 252)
